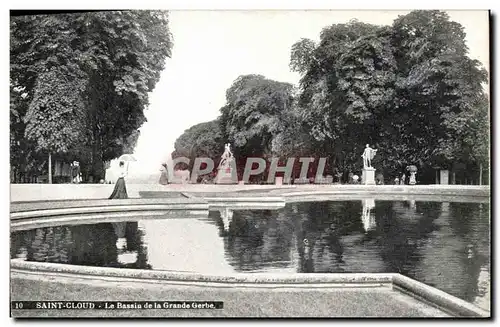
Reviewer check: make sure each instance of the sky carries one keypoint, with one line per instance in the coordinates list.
(212, 48)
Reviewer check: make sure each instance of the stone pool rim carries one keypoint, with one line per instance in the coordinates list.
(29, 215)
(37, 192)
(397, 282)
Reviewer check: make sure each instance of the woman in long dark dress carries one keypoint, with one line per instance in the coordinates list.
(120, 191)
(164, 174)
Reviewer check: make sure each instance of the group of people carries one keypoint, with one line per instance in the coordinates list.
(76, 175)
(355, 179)
(120, 190)
(402, 180)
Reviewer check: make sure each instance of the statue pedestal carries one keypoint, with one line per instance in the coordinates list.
(368, 176)
(413, 178)
(225, 176)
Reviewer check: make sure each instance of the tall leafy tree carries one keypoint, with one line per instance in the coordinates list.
(253, 113)
(25, 161)
(437, 88)
(126, 54)
(410, 89)
(55, 117)
(346, 87)
(117, 57)
(201, 140)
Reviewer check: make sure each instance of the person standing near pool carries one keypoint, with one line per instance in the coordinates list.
(164, 174)
(120, 191)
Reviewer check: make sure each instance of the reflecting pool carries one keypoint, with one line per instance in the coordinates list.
(442, 244)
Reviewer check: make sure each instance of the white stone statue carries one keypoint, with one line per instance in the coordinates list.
(227, 150)
(368, 155)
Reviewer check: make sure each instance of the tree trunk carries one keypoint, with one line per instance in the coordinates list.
(97, 170)
(50, 168)
(480, 174)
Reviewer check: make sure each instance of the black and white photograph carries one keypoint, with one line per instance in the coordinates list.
(285, 163)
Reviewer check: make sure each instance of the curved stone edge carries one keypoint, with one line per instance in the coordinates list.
(106, 210)
(385, 197)
(398, 282)
(438, 298)
(257, 278)
(244, 198)
(23, 206)
(378, 193)
(432, 189)
(87, 219)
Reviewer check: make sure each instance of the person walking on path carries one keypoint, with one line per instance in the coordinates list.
(120, 190)
(164, 174)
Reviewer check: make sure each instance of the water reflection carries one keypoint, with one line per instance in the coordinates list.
(446, 245)
(368, 219)
(453, 257)
(182, 244)
(255, 240)
(227, 217)
(103, 245)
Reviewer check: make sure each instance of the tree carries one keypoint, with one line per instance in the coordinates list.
(407, 89)
(24, 159)
(253, 113)
(201, 140)
(438, 81)
(293, 139)
(55, 117)
(36, 48)
(127, 53)
(346, 86)
(472, 148)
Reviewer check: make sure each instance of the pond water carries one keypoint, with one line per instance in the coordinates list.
(442, 244)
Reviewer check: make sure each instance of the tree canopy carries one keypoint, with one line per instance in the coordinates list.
(408, 89)
(253, 114)
(201, 140)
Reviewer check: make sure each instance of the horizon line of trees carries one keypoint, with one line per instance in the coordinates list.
(409, 90)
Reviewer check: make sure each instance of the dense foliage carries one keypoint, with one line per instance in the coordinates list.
(253, 114)
(202, 140)
(80, 84)
(410, 90)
